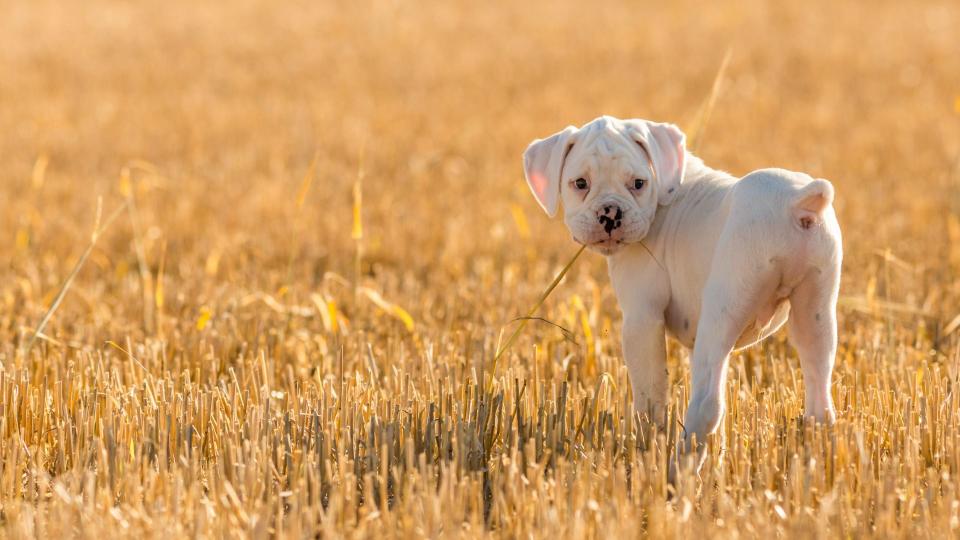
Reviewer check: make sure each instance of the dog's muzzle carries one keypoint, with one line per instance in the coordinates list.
(608, 225)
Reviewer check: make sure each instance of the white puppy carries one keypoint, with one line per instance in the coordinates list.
(715, 261)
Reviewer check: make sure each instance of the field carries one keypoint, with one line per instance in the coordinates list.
(256, 260)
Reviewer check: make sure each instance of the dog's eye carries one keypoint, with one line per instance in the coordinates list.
(581, 183)
(638, 183)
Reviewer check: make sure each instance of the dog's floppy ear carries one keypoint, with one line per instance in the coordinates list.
(542, 165)
(666, 146)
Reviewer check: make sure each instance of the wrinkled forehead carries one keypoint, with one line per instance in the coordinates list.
(604, 141)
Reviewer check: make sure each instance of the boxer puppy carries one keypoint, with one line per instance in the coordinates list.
(717, 262)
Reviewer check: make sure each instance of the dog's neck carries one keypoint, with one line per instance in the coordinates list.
(700, 182)
(697, 172)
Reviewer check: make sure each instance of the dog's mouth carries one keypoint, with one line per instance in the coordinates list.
(608, 234)
(606, 246)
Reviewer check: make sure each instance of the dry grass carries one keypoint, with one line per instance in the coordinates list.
(235, 359)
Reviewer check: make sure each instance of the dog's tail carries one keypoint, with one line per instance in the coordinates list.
(811, 201)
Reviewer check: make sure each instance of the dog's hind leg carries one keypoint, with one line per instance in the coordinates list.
(813, 331)
(729, 305)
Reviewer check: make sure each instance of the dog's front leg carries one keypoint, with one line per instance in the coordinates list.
(644, 351)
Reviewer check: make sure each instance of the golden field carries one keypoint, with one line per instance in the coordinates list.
(238, 356)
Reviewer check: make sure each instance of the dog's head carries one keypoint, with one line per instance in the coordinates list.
(611, 175)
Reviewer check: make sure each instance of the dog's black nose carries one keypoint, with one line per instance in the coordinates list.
(609, 216)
